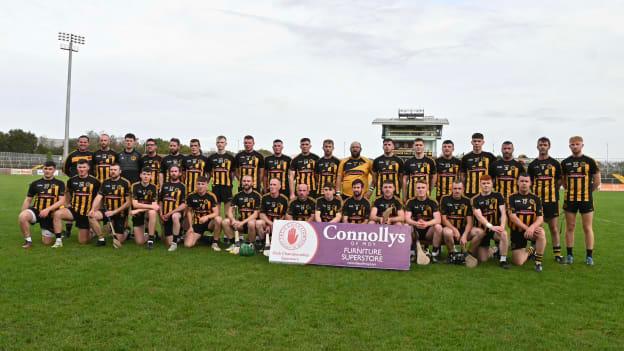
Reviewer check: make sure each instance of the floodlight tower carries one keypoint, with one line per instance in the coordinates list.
(70, 43)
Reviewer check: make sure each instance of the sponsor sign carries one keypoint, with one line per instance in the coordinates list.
(19, 171)
(40, 172)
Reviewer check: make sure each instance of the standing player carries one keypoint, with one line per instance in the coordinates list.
(419, 167)
(152, 160)
(247, 202)
(80, 191)
(145, 201)
(130, 159)
(104, 158)
(447, 167)
(202, 213)
(457, 219)
(505, 171)
(173, 159)
(302, 207)
(327, 166)
(171, 198)
(329, 206)
(526, 218)
(250, 162)
(115, 194)
(489, 210)
(475, 164)
(387, 167)
(545, 174)
(423, 214)
(70, 167)
(221, 166)
(194, 165)
(581, 177)
(303, 170)
(387, 200)
(276, 166)
(356, 209)
(273, 206)
(353, 168)
(44, 196)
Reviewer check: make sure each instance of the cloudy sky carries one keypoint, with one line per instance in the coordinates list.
(514, 70)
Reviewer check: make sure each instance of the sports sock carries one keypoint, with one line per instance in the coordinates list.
(436, 251)
(58, 235)
(68, 227)
(151, 238)
(590, 253)
(538, 258)
(101, 239)
(29, 239)
(530, 250)
(503, 258)
(569, 251)
(557, 250)
(176, 238)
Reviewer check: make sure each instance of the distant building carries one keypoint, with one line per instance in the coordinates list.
(50, 142)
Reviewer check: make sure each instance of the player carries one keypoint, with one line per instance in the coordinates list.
(329, 206)
(130, 159)
(303, 170)
(172, 203)
(194, 165)
(457, 220)
(327, 166)
(489, 211)
(70, 167)
(104, 158)
(525, 221)
(423, 214)
(302, 207)
(475, 164)
(221, 166)
(173, 159)
(145, 208)
(505, 171)
(80, 191)
(387, 167)
(447, 167)
(273, 206)
(250, 162)
(356, 209)
(115, 195)
(352, 168)
(152, 160)
(419, 167)
(203, 214)
(387, 200)
(581, 177)
(277, 167)
(44, 197)
(247, 202)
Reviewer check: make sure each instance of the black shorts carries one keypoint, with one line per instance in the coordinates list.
(168, 227)
(222, 192)
(201, 228)
(421, 233)
(518, 241)
(551, 210)
(578, 206)
(44, 223)
(489, 235)
(82, 221)
(118, 220)
(138, 220)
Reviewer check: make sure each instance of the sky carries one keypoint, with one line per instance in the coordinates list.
(319, 69)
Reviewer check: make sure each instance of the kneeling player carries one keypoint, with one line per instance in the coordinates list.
(172, 204)
(356, 209)
(144, 202)
(329, 206)
(44, 196)
(488, 208)
(247, 203)
(526, 217)
(202, 211)
(387, 201)
(302, 207)
(422, 213)
(457, 219)
(273, 207)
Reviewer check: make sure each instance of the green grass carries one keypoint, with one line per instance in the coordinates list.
(84, 297)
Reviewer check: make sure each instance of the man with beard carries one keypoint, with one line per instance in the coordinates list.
(104, 158)
(302, 207)
(303, 169)
(356, 209)
(423, 214)
(152, 160)
(327, 166)
(70, 167)
(273, 206)
(419, 167)
(505, 171)
(173, 159)
(202, 213)
(247, 203)
(387, 200)
(447, 167)
(172, 203)
(194, 165)
(353, 168)
(475, 164)
(387, 167)
(329, 206)
(277, 167)
(130, 159)
(145, 205)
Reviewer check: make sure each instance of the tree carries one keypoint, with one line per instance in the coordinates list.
(18, 140)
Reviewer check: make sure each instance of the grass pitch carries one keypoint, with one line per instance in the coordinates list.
(86, 297)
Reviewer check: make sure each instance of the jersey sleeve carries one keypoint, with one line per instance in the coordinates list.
(500, 199)
(290, 207)
(558, 172)
(434, 206)
(510, 207)
(434, 167)
(32, 190)
(469, 209)
(463, 164)
(593, 167)
(539, 209)
(183, 197)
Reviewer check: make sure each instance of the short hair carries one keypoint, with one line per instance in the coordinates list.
(458, 181)
(130, 136)
(356, 182)
(576, 138)
(388, 140)
(174, 166)
(543, 140)
(150, 140)
(303, 140)
(328, 141)
(507, 142)
(115, 164)
(448, 141)
(83, 161)
(485, 177)
(328, 185)
(477, 136)
(307, 186)
(278, 141)
(278, 180)
(83, 136)
(194, 140)
(248, 137)
(387, 181)
(104, 134)
(202, 179)
(523, 174)
(174, 140)
(419, 139)
(49, 164)
(146, 169)
(420, 181)
(220, 137)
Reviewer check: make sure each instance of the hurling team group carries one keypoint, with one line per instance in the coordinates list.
(482, 205)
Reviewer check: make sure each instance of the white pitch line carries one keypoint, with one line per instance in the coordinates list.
(608, 221)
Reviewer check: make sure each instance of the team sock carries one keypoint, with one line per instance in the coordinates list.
(68, 227)
(569, 251)
(101, 238)
(557, 250)
(530, 250)
(590, 253)
(436, 251)
(176, 238)
(151, 238)
(29, 239)
(503, 258)
(538, 259)
(58, 236)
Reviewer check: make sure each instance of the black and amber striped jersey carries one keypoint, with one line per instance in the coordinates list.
(249, 163)
(45, 192)
(418, 169)
(246, 203)
(145, 194)
(382, 204)
(388, 168)
(421, 209)
(221, 168)
(354, 168)
(171, 196)
(305, 170)
(300, 209)
(456, 211)
(82, 191)
(578, 175)
(357, 211)
(545, 176)
(71, 162)
(102, 160)
(154, 163)
(169, 161)
(274, 207)
(505, 176)
(474, 166)
(115, 193)
(201, 205)
(448, 172)
(527, 207)
(328, 209)
(194, 166)
(326, 171)
(277, 167)
(489, 205)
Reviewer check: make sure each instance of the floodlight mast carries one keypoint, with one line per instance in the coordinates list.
(73, 41)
